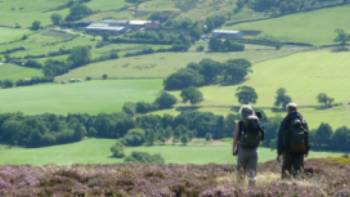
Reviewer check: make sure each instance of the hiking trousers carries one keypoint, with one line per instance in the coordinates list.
(293, 164)
(247, 163)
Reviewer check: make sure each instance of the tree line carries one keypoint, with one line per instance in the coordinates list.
(208, 72)
(50, 129)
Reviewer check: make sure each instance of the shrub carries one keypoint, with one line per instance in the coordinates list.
(143, 157)
(134, 137)
(165, 101)
(118, 150)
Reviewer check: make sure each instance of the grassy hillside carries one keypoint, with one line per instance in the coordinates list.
(98, 151)
(316, 27)
(13, 72)
(162, 64)
(304, 75)
(11, 34)
(24, 13)
(87, 97)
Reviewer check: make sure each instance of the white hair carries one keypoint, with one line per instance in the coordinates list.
(245, 111)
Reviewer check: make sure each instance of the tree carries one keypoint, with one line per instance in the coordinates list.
(104, 76)
(236, 70)
(282, 99)
(78, 12)
(79, 56)
(56, 19)
(210, 70)
(342, 38)
(184, 139)
(183, 78)
(325, 100)
(134, 137)
(165, 101)
(323, 136)
(246, 95)
(118, 150)
(341, 139)
(191, 94)
(36, 25)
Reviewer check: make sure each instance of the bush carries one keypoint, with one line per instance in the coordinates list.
(143, 107)
(36, 25)
(134, 137)
(118, 150)
(183, 78)
(32, 64)
(165, 101)
(143, 157)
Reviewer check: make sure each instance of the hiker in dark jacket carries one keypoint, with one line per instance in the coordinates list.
(293, 142)
(247, 137)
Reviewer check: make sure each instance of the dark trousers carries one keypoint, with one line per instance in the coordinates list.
(293, 164)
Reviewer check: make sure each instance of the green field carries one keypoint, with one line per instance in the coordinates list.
(14, 72)
(24, 13)
(98, 151)
(85, 97)
(161, 65)
(11, 34)
(304, 75)
(316, 27)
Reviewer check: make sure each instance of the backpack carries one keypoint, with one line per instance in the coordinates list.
(250, 133)
(297, 136)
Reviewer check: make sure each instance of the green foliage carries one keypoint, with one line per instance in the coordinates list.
(236, 70)
(56, 19)
(134, 137)
(208, 72)
(78, 11)
(224, 45)
(80, 56)
(282, 99)
(144, 157)
(322, 137)
(165, 101)
(325, 100)
(246, 95)
(342, 38)
(118, 150)
(191, 94)
(36, 25)
(182, 79)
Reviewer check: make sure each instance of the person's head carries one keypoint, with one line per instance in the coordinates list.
(246, 111)
(292, 107)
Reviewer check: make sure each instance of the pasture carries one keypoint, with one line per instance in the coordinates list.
(14, 72)
(303, 75)
(316, 27)
(85, 97)
(23, 13)
(11, 34)
(160, 65)
(96, 151)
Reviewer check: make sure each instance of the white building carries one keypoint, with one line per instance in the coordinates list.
(227, 34)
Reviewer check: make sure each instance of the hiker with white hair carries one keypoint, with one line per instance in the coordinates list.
(293, 142)
(247, 136)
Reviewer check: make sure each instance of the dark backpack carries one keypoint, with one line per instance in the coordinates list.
(250, 133)
(297, 136)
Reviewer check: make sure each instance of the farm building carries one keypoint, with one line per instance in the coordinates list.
(115, 27)
(227, 34)
(103, 28)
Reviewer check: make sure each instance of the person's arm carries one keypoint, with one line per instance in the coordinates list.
(235, 138)
(307, 143)
(280, 138)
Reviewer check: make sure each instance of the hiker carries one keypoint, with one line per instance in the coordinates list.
(247, 136)
(293, 142)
